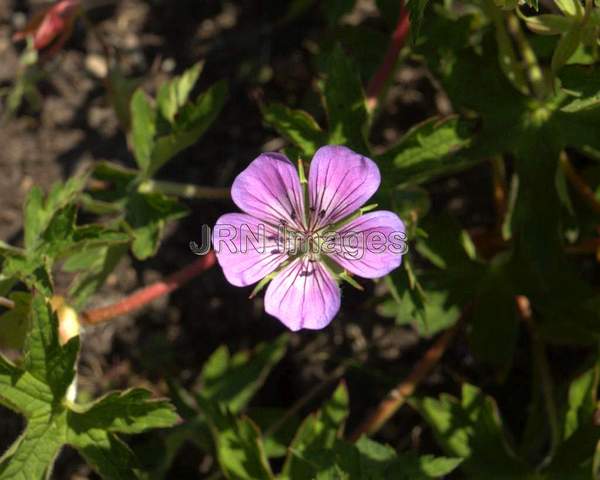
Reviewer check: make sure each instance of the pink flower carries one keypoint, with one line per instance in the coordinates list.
(52, 27)
(325, 234)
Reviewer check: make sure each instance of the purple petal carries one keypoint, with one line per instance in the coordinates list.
(371, 245)
(339, 183)
(247, 249)
(269, 189)
(303, 295)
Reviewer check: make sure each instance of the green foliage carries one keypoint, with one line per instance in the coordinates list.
(471, 428)
(38, 389)
(159, 132)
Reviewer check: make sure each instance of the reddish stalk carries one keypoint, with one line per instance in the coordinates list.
(398, 395)
(397, 42)
(579, 183)
(144, 296)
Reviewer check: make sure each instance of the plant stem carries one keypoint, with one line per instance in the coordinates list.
(398, 395)
(541, 363)
(578, 183)
(184, 190)
(6, 303)
(534, 73)
(500, 189)
(146, 295)
(397, 42)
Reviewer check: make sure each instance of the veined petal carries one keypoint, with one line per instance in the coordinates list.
(371, 245)
(247, 248)
(269, 189)
(340, 181)
(303, 295)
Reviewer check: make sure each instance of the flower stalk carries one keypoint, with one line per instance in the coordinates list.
(146, 295)
(381, 76)
(398, 395)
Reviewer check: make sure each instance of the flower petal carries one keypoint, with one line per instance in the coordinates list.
(269, 189)
(247, 248)
(371, 245)
(339, 183)
(303, 295)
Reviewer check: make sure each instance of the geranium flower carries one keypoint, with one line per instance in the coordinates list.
(304, 235)
(52, 27)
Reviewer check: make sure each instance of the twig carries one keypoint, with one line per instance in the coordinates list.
(397, 396)
(144, 296)
(578, 183)
(6, 303)
(397, 42)
(541, 362)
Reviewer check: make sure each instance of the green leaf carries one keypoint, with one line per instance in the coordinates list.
(511, 64)
(233, 381)
(143, 130)
(582, 83)
(44, 357)
(295, 125)
(147, 214)
(37, 389)
(428, 150)
(581, 401)
(120, 91)
(567, 45)
(173, 95)
(493, 322)
(192, 121)
(575, 456)
(317, 434)
(345, 103)
(416, 9)
(472, 429)
(39, 212)
(14, 324)
(94, 265)
(130, 412)
(238, 444)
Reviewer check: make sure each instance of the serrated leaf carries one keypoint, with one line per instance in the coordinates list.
(192, 121)
(173, 95)
(233, 381)
(428, 150)
(316, 435)
(38, 212)
(143, 130)
(44, 357)
(37, 390)
(146, 215)
(94, 271)
(130, 412)
(238, 444)
(297, 126)
(345, 103)
(471, 429)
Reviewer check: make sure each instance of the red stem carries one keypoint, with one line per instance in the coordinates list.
(144, 296)
(398, 38)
